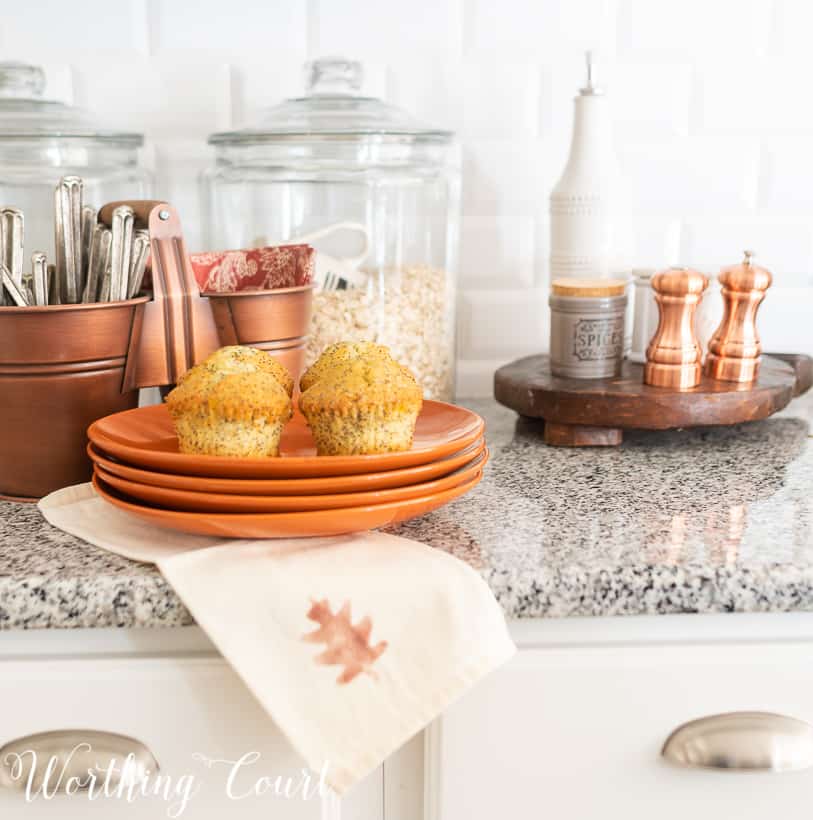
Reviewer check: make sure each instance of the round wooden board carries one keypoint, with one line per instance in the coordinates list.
(581, 412)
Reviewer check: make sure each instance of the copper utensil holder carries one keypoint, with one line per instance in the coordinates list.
(179, 330)
(61, 368)
(674, 356)
(182, 326)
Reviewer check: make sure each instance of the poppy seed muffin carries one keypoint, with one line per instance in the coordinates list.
(339, 354)
(239, 359)
(362, 406)
(235, 403)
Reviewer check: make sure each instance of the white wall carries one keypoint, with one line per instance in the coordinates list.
(712, 101)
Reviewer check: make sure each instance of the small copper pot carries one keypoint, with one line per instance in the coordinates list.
(61, 368)
(273, 320)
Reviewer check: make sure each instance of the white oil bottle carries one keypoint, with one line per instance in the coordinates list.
(590, 214)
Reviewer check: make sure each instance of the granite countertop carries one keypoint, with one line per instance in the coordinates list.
(706, 520)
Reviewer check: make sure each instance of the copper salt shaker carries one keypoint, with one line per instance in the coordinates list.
(735, 350)
(673, 358)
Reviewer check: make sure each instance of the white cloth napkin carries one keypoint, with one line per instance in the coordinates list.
(352, 644)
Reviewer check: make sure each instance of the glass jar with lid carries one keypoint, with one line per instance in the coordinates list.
(42, 140)
(375, 192)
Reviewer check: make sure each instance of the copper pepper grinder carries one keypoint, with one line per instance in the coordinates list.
(673, 358)
(735, 350)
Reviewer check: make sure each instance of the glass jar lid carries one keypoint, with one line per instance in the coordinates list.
(24, 114)
(333, 110)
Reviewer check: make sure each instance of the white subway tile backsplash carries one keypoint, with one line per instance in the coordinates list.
(663, 28)
(258, 83)
(784, 320)
(651, 98)
(756, 96)
(236, 26)
(497, 252)
(160, 96)
(710, 100)
(791, 26)
(503, 175)
(784, 246)
(657, 241)
(786, 180)
(693, 175)
(177, 166)
(430, 91)
(503, 322)
(41, 30)
(540, 27)
(475, 379)
(375, 29)
(500, 99)
(784, 91)
(725, 92)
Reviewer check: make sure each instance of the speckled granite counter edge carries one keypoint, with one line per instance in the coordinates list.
(147, 601)
(654, 590)
(74, 603)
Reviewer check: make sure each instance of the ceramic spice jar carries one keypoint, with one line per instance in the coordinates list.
(735, 350)
(587, 327)
(673, 358)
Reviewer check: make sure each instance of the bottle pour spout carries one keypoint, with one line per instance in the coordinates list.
(590, 88)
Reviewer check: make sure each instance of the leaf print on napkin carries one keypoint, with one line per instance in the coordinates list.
(346, 645)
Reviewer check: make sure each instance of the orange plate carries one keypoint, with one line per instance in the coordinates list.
(286, 525)
(185, 500)
(365, 482)
(145, 437)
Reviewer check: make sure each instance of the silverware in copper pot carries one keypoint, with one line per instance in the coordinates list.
(39, 278)
(98, 262)
(88, 225)
(122, 225)
(12, 228)
(104, 287)
(68, 226)
(14, 290)
(138, 261)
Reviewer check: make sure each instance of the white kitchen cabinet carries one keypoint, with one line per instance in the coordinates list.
(176, 706)
(570, 729)
(573, 731)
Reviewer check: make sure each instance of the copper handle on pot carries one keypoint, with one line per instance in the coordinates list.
(178, 329)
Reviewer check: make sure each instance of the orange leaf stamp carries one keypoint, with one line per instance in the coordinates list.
(346, 644)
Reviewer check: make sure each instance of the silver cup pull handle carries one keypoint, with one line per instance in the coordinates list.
(76, 757)
(742, 741)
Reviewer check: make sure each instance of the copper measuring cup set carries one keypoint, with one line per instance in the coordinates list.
(674, 357)
(64, 366)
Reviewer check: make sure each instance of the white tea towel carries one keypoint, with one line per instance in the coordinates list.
(352, 643)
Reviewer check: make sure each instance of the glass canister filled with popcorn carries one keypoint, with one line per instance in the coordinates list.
(374, 191)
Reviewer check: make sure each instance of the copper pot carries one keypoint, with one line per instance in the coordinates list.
(61, 368)
(273, 320)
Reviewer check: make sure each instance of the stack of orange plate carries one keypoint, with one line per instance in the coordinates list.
(138, 468)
